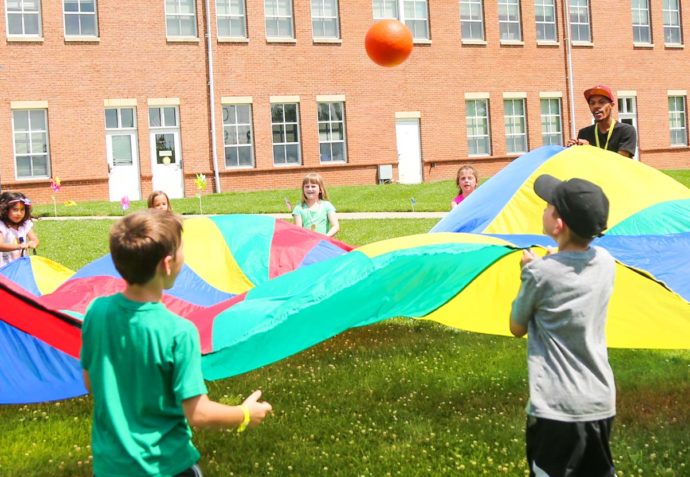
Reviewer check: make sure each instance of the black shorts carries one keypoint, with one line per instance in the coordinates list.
(569, 449)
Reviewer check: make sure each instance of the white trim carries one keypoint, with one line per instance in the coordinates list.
(182, 39)
(82, 39)
(236, 100)
(476, 95)
(408, 115)
(677, 92)
(163, 101)
(28, 104)
(330, 98)
(550, 94)
(512, 42)
(336, 41)
(283, 99)
(643, 45)
(25, 38)
(626, 93)
(280, 39)
(232, 39)
(548, 43)
(473, 42)
(514, 95)
(119, 103)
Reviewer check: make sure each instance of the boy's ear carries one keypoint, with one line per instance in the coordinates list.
(166, 268)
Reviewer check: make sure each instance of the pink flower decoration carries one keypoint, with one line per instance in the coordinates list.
(55, 184)
(124, 202)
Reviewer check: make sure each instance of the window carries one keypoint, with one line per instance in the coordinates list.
(579, 21)
(677, 121)
(285, 125)
(324, 19)
(642, 32)
(120, 125)
(331, 121)
(80, 18)
(516, 125)
(279, 18)
(413, 13)
(231, 18)
(672, 26)
(509, 20)
(545, 16)
(551, 126)
(180, 18)
(478, 132)
(471, 20)
(165, 142)
(237, 135)
(31, 157)
(23, 17)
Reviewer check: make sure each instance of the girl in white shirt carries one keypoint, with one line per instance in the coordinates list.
(16, 227)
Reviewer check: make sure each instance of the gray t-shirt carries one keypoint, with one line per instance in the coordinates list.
(563, 302)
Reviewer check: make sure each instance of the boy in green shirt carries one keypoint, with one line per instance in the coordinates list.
(142, 362)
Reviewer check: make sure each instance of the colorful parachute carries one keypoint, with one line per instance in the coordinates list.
(465, 275)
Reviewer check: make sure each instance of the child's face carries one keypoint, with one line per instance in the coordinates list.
(467, 181)
(160, 202)
(16, 212)
(550, 222)
(311, 190)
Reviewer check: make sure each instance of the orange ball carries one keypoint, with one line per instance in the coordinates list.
(388, 42)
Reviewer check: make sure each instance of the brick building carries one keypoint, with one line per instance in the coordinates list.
(119, 97)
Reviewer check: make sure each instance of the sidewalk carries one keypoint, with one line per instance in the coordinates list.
(341, 216)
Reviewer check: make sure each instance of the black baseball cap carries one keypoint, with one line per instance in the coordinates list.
(580, 203)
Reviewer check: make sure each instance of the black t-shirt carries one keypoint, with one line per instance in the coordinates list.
(623, 137)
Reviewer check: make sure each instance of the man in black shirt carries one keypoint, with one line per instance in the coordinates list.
(606, 132)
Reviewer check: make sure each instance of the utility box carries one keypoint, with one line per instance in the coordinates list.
(385, 174)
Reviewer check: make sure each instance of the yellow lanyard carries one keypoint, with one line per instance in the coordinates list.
(596, 135)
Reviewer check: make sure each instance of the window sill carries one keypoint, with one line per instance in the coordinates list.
(582, 44)
(421, 41)
(25, 39)
(327, 41)
(473, 42)
(548, 43)
(281, 40)
(512, 43)
(82, 39)
(674, 46)
(643, 45)
(182, 39)
(227, 39)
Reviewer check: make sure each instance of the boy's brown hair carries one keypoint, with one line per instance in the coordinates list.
(139, 241)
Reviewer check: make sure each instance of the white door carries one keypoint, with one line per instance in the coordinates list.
(409, 151)
(122, 154)
(166, 153)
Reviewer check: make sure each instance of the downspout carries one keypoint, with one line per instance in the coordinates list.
(212, 98)
(569, 67)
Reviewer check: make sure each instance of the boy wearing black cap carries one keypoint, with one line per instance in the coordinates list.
(563, 303)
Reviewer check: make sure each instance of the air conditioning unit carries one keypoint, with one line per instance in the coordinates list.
(385, 174)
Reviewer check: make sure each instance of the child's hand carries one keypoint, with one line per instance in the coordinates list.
(257, 410)
(527, 256)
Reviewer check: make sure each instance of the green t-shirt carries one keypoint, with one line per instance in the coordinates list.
(143, 361)
(316, 217)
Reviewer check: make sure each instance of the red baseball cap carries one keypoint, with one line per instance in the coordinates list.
(601, 90)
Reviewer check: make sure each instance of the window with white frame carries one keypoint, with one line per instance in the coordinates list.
(545, 17)
(231, 18)
(677, 120)
(278, 15)
(509, 20)
(286, 137)
(324, 19)
(478, 132)
(180, 18)
(516, 125)
(413, 13)
(580, 30)
(80, 18)
(237, 135)
(331, 119)
(551, 122)
(121, 124)
(472, 20)
(30, 132)
(642, 30)
(672, 25)
(23, 17)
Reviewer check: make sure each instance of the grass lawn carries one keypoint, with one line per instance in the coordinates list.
(400, 398)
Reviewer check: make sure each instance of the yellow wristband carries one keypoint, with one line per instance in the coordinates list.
(245, 420)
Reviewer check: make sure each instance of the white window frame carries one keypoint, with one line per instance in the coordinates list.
(81, 15)
(673, 24)
(473, 123)
(24, 13)
(546, 22)
(132, 130)
(231, 127)
(231, 18)
(282, 131)
(581, 28)
(178, 17)
(641, 24)
(469, 19)
(328, 123)
(509, 21)
(515, 125)
(677, 119)
(320, 20)
(551, 120)
(31, 132)
(274, 17)
(407, 11)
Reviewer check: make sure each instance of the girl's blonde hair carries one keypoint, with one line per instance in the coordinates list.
(314, 178)
(157, 193)
(466, 168)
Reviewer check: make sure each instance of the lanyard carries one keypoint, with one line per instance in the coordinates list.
(596, 135)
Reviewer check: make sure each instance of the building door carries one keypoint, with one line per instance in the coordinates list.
(627, 113)
(166, 153)
(409, 151)
(122, 154)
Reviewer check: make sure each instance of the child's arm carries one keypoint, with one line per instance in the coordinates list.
(335, 225)
(202, 412)
(33, 240)
(10, 247)
(297, 216)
